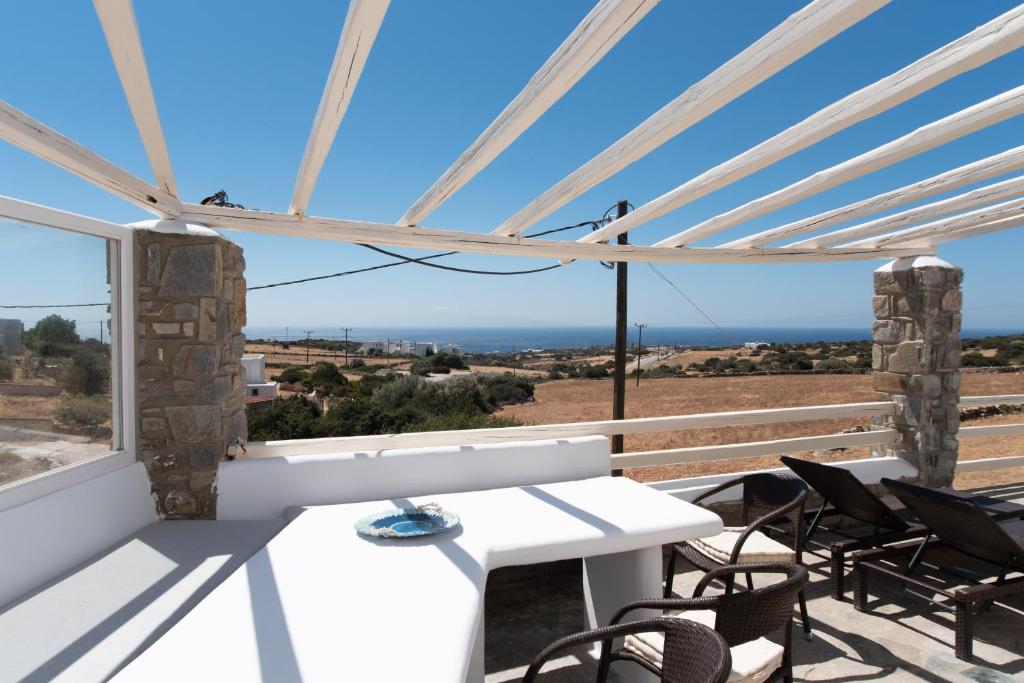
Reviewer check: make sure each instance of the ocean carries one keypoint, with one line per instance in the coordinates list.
(504, 339)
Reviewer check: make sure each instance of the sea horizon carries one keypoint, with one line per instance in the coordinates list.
(505, 339)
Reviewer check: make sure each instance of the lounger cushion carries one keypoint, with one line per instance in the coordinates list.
(90, 622)
(757, 547)
(752, 662)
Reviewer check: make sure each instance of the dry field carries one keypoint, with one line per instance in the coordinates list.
(582, 400)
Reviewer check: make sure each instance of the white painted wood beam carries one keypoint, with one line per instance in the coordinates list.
(754, 449)
(996, 38)
(982, 196)
(985, 401)
(357, 35)
(935, 134)
(968, 174)
(606, 24)
(450, 240)
(119, 26)
(798, 35)
(23, 131)
(932, 233)
(37, 214)
(1010, 223)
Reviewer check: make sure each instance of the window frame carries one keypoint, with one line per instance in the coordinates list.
(122, 350)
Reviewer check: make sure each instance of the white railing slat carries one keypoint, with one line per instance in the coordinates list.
(754, 449)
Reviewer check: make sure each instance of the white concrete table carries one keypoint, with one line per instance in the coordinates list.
(320, 603)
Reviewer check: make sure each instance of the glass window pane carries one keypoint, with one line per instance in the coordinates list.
(55, 349)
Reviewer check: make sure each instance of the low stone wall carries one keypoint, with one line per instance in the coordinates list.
(190, 308)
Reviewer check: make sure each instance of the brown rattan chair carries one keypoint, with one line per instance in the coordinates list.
(694, 652)
(743, 618)
(768, 498)
(961, 525)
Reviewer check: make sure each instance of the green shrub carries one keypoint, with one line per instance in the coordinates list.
(85, 414)
(506, 389)
(292, 374)
(6, 368)
(89, 372)
(286, 418)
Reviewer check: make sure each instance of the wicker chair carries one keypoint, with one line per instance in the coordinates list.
(964, 526)
(743, 618)
(694, 652)
(768, 499)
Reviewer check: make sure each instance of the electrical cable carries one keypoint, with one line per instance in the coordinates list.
(725, 336)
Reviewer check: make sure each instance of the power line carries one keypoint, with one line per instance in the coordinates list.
(693, 303)
(423, 260)
(107, 303)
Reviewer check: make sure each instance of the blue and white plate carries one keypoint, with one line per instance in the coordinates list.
(406, 522)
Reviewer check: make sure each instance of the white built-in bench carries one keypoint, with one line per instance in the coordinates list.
(89, 578)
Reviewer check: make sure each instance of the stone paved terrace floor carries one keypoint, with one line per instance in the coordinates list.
(902, 639)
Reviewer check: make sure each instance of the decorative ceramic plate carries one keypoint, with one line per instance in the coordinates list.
(404, 522)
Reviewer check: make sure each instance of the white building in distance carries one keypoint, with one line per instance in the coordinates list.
(255, 367)
(399, 347)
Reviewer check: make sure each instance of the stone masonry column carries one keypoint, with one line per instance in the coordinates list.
(916, 361)
(190, 309)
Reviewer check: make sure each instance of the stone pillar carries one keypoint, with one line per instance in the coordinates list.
(916, 361)
(190, 309)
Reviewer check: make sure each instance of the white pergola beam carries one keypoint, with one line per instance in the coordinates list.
(606, 24)
(450, 240)
(37, 214)
(357, 36)
(982, 196)
(23, 131)
(923, 234)
(968, 174)
(798, 35)
(996, 38)
(935, 134)
(978, 230)
(119, 26)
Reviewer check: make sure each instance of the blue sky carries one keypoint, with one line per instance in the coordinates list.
(238, 84)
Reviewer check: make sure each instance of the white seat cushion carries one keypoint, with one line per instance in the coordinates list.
(752, 662)
(757, 547)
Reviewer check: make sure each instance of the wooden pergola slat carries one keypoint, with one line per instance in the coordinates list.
(22, 130)
(798, 35)
(935, 134)
(604, 26)
(922, 234)
(985, 43)
(452, 240)
(122, 32)
(975, 172)
(982, 196)
(362, 23)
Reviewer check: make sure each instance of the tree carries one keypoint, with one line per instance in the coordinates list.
(52, 336)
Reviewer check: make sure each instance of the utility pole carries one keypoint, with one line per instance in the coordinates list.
(619, 381)
(639, 348)
(346, 330)
(387, 350)
(308, 332)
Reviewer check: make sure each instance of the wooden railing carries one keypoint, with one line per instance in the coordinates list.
(991, 430)
(645, 425)
(641, 425)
